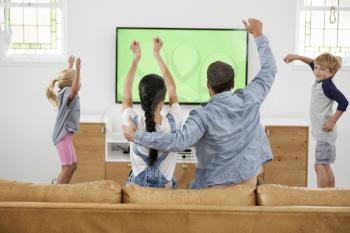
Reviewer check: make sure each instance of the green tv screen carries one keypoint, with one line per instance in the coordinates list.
(187, 53)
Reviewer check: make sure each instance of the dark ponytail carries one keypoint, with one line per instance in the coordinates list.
(152, 91)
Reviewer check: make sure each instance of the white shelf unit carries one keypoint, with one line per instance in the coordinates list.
(117, 148)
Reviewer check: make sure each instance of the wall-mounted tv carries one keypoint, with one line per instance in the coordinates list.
(187, 53)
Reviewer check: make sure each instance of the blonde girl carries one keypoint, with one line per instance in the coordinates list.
(68, 116)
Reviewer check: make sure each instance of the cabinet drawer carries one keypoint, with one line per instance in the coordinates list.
(184, 173)
(289, 146)
(89, 144)
(118, 172)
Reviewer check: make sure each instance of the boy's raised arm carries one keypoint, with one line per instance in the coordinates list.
(127, 97)
(292, 57)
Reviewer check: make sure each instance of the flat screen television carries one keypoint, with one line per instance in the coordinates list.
(187, 52)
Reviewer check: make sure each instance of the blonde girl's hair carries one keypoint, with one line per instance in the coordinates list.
(65, 79)
(333, 63)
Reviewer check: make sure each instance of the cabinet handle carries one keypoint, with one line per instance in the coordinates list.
(268, 132)
(129, 164)
(184, 165)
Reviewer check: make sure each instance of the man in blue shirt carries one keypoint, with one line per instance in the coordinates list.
(230, 142)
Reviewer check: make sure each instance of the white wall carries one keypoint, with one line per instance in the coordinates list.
(26, 151)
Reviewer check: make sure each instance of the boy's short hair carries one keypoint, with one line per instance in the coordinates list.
(333, 63)
(220, 76)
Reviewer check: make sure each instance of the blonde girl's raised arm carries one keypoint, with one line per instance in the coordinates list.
(50, 93)
(168, 78)
(127, 97)
(76, 80)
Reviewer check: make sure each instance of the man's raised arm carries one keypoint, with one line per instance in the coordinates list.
(261, 84)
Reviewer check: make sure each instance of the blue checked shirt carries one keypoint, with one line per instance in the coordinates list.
(230, 142)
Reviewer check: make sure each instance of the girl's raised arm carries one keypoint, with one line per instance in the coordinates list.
(127, 97)
(168, 78)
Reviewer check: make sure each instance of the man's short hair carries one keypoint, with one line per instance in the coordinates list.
(220, 76)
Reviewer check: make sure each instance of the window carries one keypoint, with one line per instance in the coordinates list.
(324, 26)
(36, 26)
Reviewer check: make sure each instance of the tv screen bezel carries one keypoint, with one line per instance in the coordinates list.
(169, 28)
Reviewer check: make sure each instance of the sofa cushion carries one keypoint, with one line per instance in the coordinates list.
(279, 195)
(240, 195)
(92, 192)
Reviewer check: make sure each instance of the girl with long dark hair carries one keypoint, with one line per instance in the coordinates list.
(152, 168)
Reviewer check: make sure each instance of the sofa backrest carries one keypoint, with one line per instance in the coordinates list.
(279, 195)
(104, 191)
(241, 195)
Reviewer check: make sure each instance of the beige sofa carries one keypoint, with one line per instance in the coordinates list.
(104, 207)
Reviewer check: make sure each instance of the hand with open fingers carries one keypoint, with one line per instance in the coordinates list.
(71, 60)
(253, 26)
(136, 49)
(328, 126)
(157, 45)
(129, 130)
